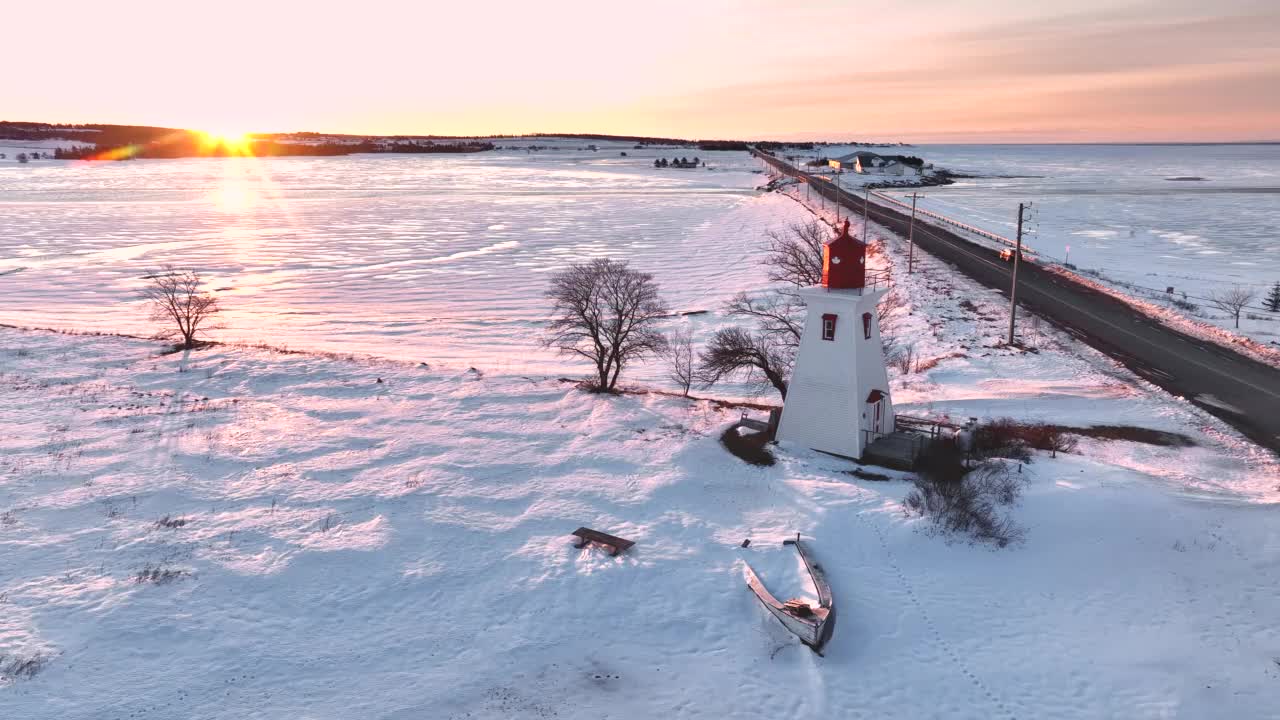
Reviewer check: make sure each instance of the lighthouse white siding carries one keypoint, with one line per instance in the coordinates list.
(826, 407)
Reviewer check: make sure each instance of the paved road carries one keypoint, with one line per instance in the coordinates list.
(1238, 389)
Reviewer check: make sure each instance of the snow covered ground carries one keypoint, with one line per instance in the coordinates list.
(242, 533)
(348, 548)
(428, 258)
(442, 258)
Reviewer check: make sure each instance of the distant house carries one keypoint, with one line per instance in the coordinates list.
(854, 162)
(869, 163)
(897, 167)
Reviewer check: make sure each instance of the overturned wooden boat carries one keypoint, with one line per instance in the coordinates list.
(812, 625)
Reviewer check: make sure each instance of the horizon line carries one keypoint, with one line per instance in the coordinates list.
(642, 136)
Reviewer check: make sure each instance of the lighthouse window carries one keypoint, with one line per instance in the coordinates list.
(829, 326)
(866, 325)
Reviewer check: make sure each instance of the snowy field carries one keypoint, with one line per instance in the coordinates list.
(239, 533)
(439, 258)
(443, 258)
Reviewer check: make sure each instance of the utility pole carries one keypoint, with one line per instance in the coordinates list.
(866, 213)
(1017, 259)
(837, 197)
(911, 236)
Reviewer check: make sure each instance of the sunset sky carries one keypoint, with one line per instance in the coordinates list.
(921, 71)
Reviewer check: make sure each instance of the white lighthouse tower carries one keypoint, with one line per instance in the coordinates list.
(838, 397)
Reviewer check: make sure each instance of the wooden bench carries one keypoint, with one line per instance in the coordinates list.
(615, 544)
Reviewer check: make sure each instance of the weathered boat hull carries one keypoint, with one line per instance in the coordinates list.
(813, 629)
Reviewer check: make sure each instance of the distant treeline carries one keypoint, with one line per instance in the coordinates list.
(743, 146)
(106, 135)
(641, 139)
(160, 142)
(193, 147)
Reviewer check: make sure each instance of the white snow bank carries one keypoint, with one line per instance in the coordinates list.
(400, 550)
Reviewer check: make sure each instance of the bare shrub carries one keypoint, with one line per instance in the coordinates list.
(22, 667)
(605, 312)
(1053, 438)
(759, 358)
(969, 505)
(159, 574)
(1006, 437)
(330, 521)
(751, 447)
(890, 310)
(178, 304)
(903, 358)
(171, 523)
(680, 360)
(1233, 300)
(1002, 437)
(994, 480)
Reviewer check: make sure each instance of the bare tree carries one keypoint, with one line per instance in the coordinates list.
(1233, 300)
(604, 312)
(766, 354)
(757, 357)
(794, 255)
(779, 315)
(903, 358)
(678, 355)
(889, 311)
(179, 305)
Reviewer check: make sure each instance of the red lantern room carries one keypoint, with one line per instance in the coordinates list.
(844, 262)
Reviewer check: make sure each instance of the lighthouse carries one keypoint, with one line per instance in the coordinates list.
(838, 398)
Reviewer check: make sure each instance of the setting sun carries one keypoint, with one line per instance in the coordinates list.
(233, 142)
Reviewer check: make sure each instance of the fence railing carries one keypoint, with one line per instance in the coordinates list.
(945, 220)
(876, 279)
(927, 426)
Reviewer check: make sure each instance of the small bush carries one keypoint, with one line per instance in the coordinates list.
(170, 523)
(750, 447)
(1002, 437)
(19, 667)
(971, 505)
(158, 575)
(1008, 438)
(995, 481)
(1185, 305)
(903, 359)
